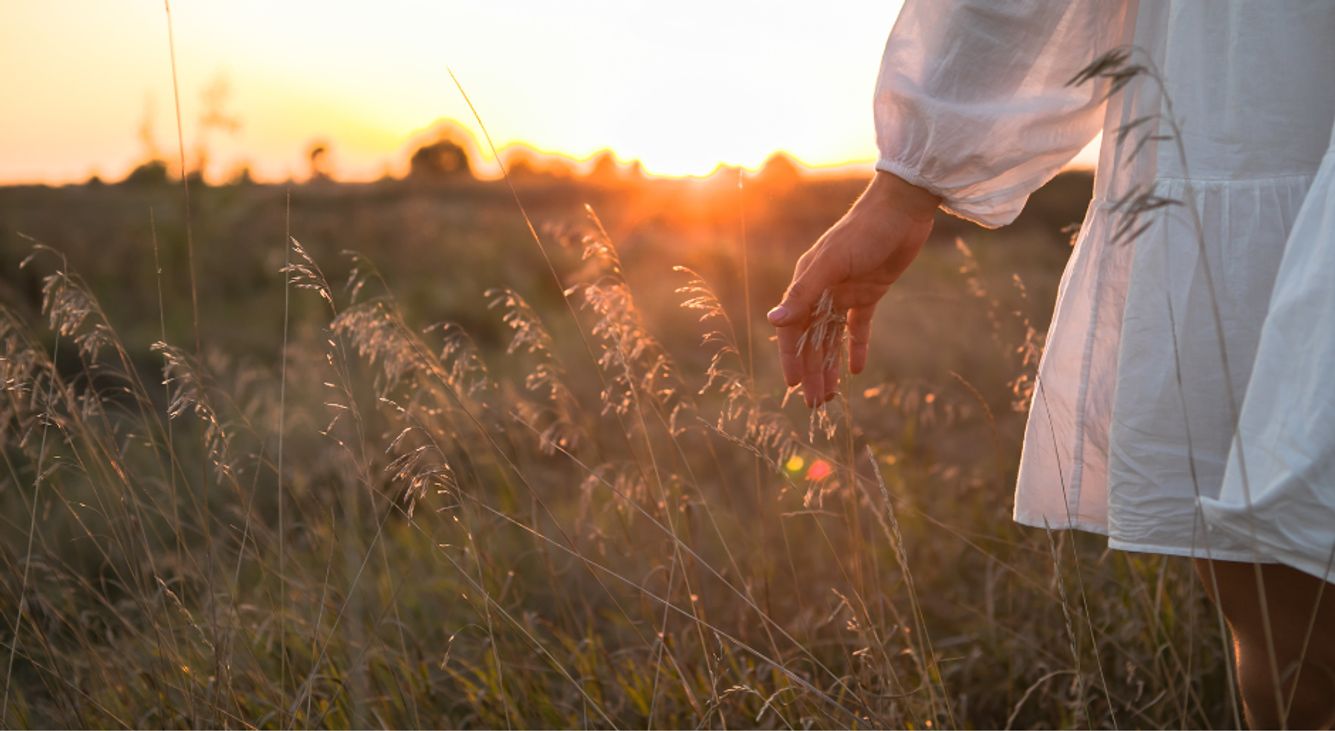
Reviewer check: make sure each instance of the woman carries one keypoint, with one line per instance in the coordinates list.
(1182, 405)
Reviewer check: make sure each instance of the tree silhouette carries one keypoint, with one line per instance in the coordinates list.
(443, 159)
(152, 172)
(779, 173)
(605, 168)
(213, 121)
(241, 176)
(521, 163)
(318, 159)
(526, 163)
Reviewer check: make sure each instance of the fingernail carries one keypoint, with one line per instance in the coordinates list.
(777, 315)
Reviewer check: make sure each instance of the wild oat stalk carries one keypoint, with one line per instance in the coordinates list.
(556, 422)
(633, 361)
(189, 394)
(764, 429)
(825, 332)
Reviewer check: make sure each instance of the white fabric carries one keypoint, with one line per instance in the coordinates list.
(1134, 428)
(1279, 487)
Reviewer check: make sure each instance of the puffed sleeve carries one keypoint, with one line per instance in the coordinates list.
(972, 100)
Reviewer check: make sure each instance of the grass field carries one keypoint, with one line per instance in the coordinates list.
(425, 468)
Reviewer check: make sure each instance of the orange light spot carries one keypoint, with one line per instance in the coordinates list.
(819, 470)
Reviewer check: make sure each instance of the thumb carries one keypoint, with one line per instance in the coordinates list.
(801, 297)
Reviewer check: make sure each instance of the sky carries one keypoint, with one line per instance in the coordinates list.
(681, 86)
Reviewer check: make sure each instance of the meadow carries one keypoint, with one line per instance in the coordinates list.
(448, 454)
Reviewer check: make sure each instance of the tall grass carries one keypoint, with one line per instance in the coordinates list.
(527, 533)
(555, 514)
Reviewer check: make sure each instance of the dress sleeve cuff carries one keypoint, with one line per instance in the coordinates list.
(991, 212)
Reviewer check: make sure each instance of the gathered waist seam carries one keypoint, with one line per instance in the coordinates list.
(1221, 180)
(1102, 200)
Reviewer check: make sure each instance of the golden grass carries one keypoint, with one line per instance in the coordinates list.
(553, 516)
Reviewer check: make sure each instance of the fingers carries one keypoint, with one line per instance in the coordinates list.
(813, 374)
(830, 361)
(818, 371)
(809, 282)
(788, 357)
(815, 368)
(791, 317)
(859, 336)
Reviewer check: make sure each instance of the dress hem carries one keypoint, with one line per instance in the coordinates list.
(1134, 547)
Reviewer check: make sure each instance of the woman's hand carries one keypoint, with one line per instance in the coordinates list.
(857, 260)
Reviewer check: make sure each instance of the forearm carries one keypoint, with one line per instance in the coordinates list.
(888, 191)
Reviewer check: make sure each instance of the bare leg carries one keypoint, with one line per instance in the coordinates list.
(1301, 611)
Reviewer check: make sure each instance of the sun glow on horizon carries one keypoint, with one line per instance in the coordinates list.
(682, 90)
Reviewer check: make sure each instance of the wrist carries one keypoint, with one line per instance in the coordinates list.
(914, 201)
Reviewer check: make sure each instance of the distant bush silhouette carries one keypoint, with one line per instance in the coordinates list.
(525, 163)
(443, 159)
(779, 173)
(151, 172)
(521, 163)
(242, 176)
(605, 168)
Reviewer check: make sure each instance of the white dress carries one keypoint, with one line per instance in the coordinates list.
(1185, 402)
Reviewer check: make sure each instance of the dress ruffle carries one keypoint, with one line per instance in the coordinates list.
(1133, 449)
(1278, 494)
